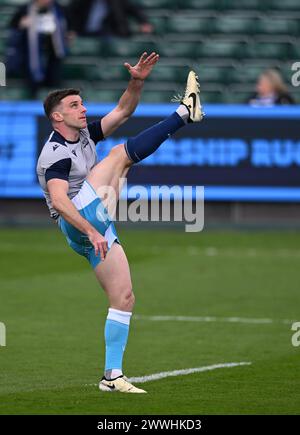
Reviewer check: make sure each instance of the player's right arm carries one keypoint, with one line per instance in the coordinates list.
(58, 190)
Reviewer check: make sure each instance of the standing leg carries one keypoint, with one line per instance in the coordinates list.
(114, 276)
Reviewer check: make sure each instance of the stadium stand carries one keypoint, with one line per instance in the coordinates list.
(228, 42)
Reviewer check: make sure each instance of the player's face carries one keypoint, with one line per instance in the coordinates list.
(73, 112)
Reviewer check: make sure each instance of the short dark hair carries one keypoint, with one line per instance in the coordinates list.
(54, 98)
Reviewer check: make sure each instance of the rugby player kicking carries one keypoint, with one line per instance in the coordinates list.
(71, 176)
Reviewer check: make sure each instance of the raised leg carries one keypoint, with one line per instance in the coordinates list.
(105, 176)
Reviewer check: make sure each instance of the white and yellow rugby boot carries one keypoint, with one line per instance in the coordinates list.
(120, 384)
(191, 98)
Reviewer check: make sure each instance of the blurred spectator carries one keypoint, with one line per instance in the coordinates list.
(37, 43)
(271, 90)
(106, 17)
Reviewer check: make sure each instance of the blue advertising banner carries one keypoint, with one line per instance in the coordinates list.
(236, 153)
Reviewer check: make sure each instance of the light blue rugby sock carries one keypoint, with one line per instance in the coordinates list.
(116, 336)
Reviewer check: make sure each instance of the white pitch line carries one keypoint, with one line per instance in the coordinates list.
(162, 375)
(211, 251)
(210, 319)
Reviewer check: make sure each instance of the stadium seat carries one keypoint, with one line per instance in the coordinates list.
(126, 48)
(109, 72)
(196, 4)
(249, 72)
(187, 23)
(155, 4)
(2, 46)
(278, 26)
(233, 40)
(13, 2)
(177, 48)
(43, 92)
(5, 18)
(215, 73)
(82, 70)
(220, 48)
(159, 23)
(295, 92)
(101, 95)
(286, 71)
(238, 94)
(242, 5)
(85, 47)
(169, 73)
(237, 97)
(295, 51)
(212, 96)
(235, 24)
(157, 96)
(14, 93)
(268, 49)
(78, 70)
(286, 5)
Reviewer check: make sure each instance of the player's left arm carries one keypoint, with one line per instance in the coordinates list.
(129, 100)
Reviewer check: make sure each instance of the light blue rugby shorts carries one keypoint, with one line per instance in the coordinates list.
(91, 208)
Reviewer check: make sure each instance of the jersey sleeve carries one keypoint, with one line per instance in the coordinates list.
(56, 162)
(95, 131)
(60, 169)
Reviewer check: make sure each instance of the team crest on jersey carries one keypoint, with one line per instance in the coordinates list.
(85, 142)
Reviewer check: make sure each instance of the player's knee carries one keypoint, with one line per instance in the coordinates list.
(116, 151)
(119, 154)
(128, 300)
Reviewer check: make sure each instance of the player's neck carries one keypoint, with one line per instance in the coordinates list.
(70, 134)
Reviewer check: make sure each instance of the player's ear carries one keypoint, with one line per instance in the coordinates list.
(56, 116)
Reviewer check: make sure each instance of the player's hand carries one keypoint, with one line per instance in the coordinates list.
(144, 66)
(99, 243)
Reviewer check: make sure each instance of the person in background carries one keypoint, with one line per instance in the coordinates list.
(271, 90)
(41, 27)
(120, 13)
(105, 17)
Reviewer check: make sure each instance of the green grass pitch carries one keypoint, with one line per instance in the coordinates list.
(54, 312)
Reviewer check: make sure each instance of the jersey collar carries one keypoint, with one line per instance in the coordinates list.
(57, 137)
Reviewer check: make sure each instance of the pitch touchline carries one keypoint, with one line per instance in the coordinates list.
(161, 375)
(210, 319)
(212, 251)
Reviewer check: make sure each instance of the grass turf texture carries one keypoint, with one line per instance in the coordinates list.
(54, 313)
